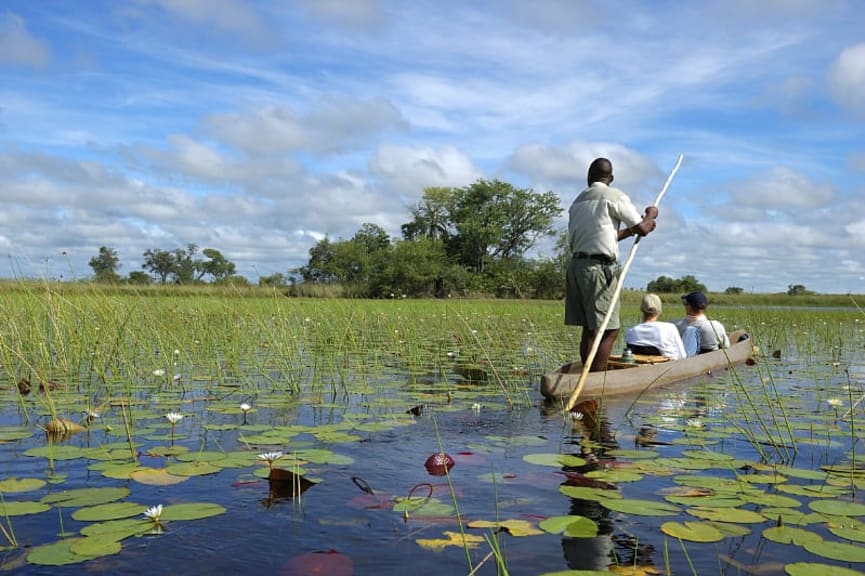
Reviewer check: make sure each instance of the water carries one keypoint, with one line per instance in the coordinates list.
(261, 534)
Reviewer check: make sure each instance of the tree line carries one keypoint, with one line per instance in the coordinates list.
(459, 241)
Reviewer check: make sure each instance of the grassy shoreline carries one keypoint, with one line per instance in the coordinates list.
(629, 296)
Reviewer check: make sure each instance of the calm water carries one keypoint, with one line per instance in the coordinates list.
(260, 533)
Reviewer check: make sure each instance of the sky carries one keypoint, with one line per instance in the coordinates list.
(258, 128)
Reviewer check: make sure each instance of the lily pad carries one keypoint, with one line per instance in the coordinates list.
(735, 515)
(586, 493)
(837, 507)
(817, 569)
(640, 507)
(192, 469)
(118, 529)
(85, 496)
(95, 546)
(15, 485)
(56, 554)
(847, 528)
(790, 535)
(156, 477)
(513, 527)
(555, 460)
(836, 550)
(191, 511)
(22, 508)
(692, 531)
(110, 511)
(451, 539)
(571, 525)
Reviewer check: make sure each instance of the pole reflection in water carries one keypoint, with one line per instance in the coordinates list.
(592, 431)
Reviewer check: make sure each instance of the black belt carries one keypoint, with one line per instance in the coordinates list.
(602, 258)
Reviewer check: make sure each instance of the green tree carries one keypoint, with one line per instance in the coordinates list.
(683, 285)
(797, 290)
(733, 290)
(160, 263)
(186, 266)
(495, 220)
(216, 265)
(430, 216)
(105, 265)
(139, 278)
(277, 279)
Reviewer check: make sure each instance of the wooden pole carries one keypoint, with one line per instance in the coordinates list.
(616, 293)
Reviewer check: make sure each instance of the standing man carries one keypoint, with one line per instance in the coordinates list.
(599, 218)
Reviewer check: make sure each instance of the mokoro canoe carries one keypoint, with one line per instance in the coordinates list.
(646, 374)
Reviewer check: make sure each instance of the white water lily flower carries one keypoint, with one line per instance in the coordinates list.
(270, 457)
(576, 416)
(834, 402)
(154, 512)
(244, 407)
(476, 407)
(159, 372)
(174, 417)
(694, 423)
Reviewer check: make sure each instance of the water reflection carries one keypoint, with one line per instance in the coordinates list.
(594, 434)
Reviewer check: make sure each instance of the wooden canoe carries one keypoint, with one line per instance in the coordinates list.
(646, 374)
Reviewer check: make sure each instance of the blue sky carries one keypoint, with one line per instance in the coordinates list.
(257, 128)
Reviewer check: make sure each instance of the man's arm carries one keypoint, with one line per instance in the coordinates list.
(646, 225)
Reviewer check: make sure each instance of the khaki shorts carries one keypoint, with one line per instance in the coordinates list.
(588, 295)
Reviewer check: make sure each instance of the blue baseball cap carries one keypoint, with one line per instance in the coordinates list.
(696, 300)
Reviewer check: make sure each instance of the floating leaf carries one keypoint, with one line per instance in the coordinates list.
(192, 469)
(817, 569)
(191, 511)
(86, 496)
(692, 531)
(12, 433)
(512, 527)
(790, 535)
(614, 475)
(556, 460)
(110, 511)
(93, 547)
(631, 454)
(451, 539)
(572, 525)
(156, 477)
(837, 507)
(640, 507)
(847, 528)
(736, 515)
(56, 554)
(586, 493)
(836, 550)
(56, 452)
(15, 485)
(821, 491)
(707, 455)
(22, 508)
(118, 529)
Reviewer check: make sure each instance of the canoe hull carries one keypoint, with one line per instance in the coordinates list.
(558, 384)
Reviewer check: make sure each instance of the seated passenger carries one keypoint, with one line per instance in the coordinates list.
(652, 336)
(700, 334)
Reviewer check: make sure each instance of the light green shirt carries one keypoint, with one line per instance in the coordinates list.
(595, 217)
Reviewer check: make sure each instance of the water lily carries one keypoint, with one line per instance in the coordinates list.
(244, 407)
(154, 513)
(159, 372)
(174, 418)
(694, 423)
(476, 407)
(834, 402)
(270, 457)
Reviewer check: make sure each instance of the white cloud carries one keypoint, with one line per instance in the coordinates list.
(847, 78)
(409, 170)
(232, 16)
(18, 47)
(783, 190)
(333, 125)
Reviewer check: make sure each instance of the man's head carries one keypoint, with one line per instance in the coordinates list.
(651, 305)
(696, 301)
(600, 170)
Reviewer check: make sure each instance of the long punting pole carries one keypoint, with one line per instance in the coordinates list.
(619, 282)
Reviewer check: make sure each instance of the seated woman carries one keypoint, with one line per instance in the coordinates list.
(652, 336)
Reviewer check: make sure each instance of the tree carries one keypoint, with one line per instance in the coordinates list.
(430, 216)
(139, 278)
(159, 263)
(493, 219)
(683, 285)
(733, 290)
(216, 266)
(278, 280)
(797, 290)
(185, 265)
(105, 265)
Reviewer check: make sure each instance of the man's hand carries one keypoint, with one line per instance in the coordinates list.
(652, 212)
